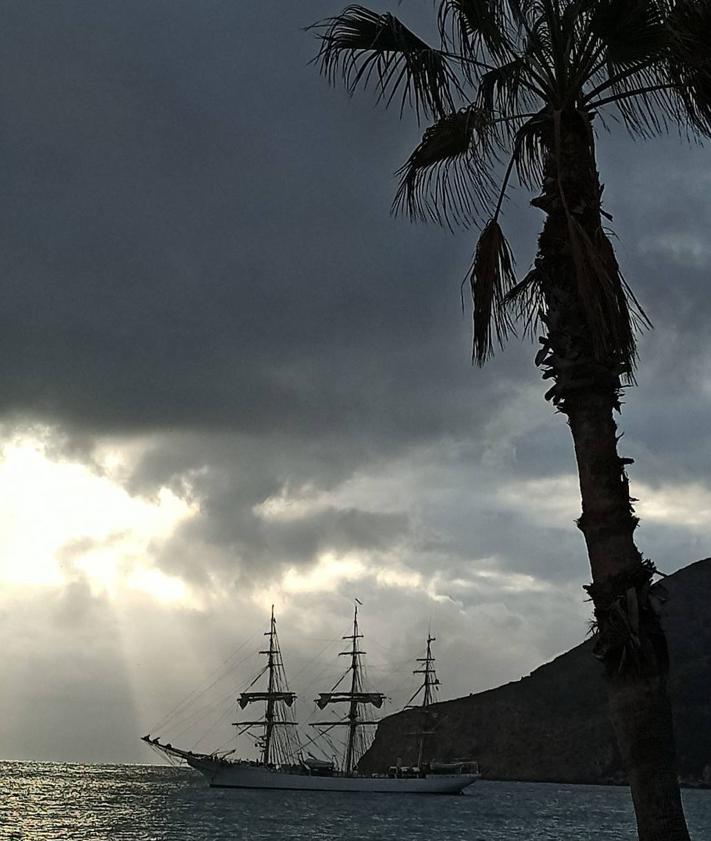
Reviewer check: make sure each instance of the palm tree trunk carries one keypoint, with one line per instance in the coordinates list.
(586, 374)
(630, 640)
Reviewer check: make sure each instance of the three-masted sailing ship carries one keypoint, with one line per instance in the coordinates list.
(285, 763)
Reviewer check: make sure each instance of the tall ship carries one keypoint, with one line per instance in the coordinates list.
(285, 761)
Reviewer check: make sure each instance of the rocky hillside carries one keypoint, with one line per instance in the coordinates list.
(553, 725)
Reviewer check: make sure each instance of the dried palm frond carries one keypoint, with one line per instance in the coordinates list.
(525, 301)
(361, 46)
(492, 278)
(529, 150)
(447, 178)
(611, 310)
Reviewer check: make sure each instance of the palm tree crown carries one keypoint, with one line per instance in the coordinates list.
(505, 76)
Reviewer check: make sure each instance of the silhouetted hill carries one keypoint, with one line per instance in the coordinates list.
(553, 724)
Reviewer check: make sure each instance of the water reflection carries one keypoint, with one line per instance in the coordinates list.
(53, 802)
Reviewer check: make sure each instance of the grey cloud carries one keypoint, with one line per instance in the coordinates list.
(196, 236)
(216, 252)
(176, 258)
(254, 549)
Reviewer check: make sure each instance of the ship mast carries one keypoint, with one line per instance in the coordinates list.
(356, 697)
(355, 687)
(277, 693)
(428, 687)
(269, 712)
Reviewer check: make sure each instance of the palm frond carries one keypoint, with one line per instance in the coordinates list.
(630, 30)
(361, 47)
(529, 148)
(474, 27)
(504, 88)
(524, 12)
(635, 39)
(645, 111)
(447, 179)
(492, 278)
(525, 302)
(611, 310)
(689, 63)
(574, 15)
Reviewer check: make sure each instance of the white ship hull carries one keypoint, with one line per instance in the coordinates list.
(220, 774)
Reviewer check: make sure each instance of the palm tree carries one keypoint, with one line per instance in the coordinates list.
(514, 92)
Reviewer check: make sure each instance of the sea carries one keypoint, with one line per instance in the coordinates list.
(54, 802)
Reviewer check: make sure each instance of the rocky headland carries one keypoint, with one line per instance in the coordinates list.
(553, 726)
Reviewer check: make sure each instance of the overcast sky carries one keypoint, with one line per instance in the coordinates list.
(230, 378)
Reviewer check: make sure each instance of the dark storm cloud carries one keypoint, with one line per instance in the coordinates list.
(195, 235)
(195, 244)
(191, 239)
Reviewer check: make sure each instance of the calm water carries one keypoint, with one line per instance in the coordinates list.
(46, 802)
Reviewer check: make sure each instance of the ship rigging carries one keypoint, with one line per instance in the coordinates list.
(428, 689)
(286, 763)
(357, 697)
(277, 743)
